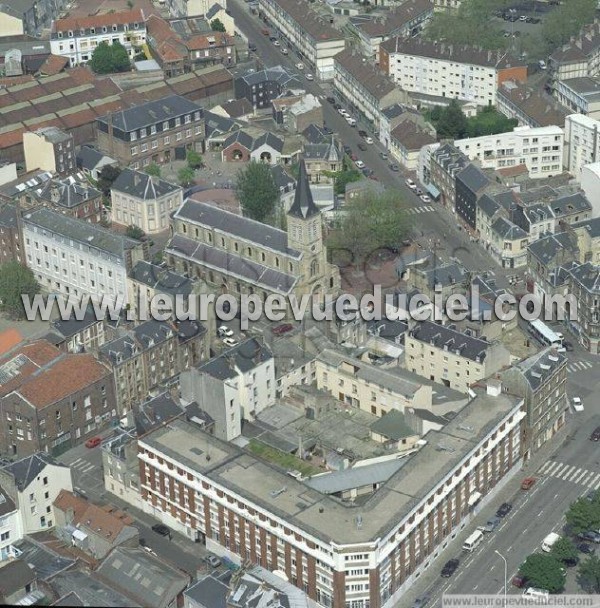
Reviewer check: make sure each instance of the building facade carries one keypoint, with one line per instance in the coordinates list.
(582, 143)
(49, 149)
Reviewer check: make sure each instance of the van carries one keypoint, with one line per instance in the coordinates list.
(473, 541)
(550, 541)
(534, 593)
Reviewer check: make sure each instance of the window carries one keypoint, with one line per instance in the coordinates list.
(4, 536)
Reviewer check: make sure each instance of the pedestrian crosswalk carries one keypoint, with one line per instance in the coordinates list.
(579, 366)
(584, 477)
(83, 466)
(420, 209)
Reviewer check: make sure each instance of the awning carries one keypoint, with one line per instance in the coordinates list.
(79, 535)
(474, 498)
(435, 193)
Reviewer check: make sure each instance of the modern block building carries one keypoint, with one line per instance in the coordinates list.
(582, 143)
(261, 87)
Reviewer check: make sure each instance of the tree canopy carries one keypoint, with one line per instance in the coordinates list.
(589, 574)
(107, 175)
(185, 176)
(584, 514)
(216, 25)
(107, 59)
(257, 191)
(194, 159)
(134, 232)
(566, 20)
(452, 123)
(16, 280)
(543, 571)
(153, 169)
(371, 222)
(564, 550)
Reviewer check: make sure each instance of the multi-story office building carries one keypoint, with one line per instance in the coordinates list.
(153, 132)
(310, 34)
(78, 37)
(73, 257)
(540, 150)
(364, 88)
(144, 201)
(339, 555)
(582, 143)
(445, 70)
(450, 357)
(49, 149)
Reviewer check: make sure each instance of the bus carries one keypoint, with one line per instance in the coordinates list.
(473, 541)
(544, 334)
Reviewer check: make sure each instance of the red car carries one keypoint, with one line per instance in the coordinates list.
(93, 442)
(527, 483)
(518, 581)
(282, 329)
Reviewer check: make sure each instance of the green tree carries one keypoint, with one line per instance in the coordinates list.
(194, 159)
(343, 178)
(108, 174)
(588, 574)
(16, 281)
(566, 21)
(134, 232)
(584, 515)
(370, 222)
(489, 121)
(107, 59)
(153, 169)
(185, 176)
(257, 191)
(216, 25)
(543, 571)
(564, 550)
(452, 122)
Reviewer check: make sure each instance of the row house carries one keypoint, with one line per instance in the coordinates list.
(406, 141)
(583, 282)
(78, 37)
(578, 58)
(445, 162)
(73, 197)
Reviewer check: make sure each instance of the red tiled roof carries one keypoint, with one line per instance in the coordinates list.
(54, 64)
(202, 42)
(135, 15)
(9, 339)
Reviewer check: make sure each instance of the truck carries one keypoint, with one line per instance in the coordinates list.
(550, 541)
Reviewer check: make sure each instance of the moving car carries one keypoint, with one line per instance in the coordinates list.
(369, 140)
(282, 329)
(490, 525)
(360, 164)
(527, 483)
(310, 77)
(299, 66)
(504, 509)
(595, 436)
(577, 404)
(161, 529)
(224, 332)
(212, 560)
(93, 442)
(394, 167)
(449, 568)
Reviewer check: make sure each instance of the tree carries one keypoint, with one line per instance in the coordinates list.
(564, 550)
(185, 176)
(16, 281)
(134, 232)
(153, 169)
(216, 25)
(584, 515)
(371, 222)
(107, 59)
(257, 191)
(589, 574)
(342, 178)
(566, 21)
(452, 123)
(194, 159)
(543, 571)
(489, 121)
(108, 174)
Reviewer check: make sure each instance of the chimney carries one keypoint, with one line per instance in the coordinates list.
(494, 387)
(136, 179)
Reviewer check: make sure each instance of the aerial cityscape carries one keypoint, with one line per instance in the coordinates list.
(300, 303)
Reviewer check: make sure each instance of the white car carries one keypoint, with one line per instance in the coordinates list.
(369, 140)
(229, 342)
(224, 332)
(577, 404)
(310, 77)
(300, 66)
(276, 43)
(410, 184)
(425, 198)
(360, 164)
(284, 51)
(148, 550)
(344, 113)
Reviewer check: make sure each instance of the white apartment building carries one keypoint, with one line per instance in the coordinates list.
(72, 256)
(582, 143)
(450, 71)
(11, 529)
(77, 37)
(540, 149)
(339, 555)
(312, 35)
(33, 483)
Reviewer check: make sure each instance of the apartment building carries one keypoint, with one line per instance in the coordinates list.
(157, 131)
(49, 149)
(540, 150)
(11, 237)
(244, 256)
(71, 196)
(261, 87)
(230, 388)
(198, 485)
(307, 32)
(445, 70)
(541, 380)
(152, 354)
(78, 37)
(578, 58)
(145, 201)
(445, 162)
(471, 184)
(583, 281)
(10, 526)
(406, 141)
(447, 356)
(75, 335)
(73, 257)
(579, 95)
(53, 400)
(582, 143)
(33, 483)
(364, 88)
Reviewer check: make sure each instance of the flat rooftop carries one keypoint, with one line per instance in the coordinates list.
(325, 517)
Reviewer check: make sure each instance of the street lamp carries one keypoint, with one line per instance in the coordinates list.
(505, 574)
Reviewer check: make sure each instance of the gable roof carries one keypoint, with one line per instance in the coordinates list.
(24, 471)
(392, 425)
(143, 186)
(245, 356)
(473, 177)
(14, 576)
(369, 77)
(303, 206)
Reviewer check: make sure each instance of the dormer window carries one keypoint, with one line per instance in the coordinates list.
(92, 30)
(60, 34)
(114, 28)
(70, 33)
(104, 30)
(82, 32)
(135, 25)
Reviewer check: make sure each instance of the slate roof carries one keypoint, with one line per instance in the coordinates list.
(208, 592)
(328, 150)
(303, 206)
(71, 326)
(370, 78)
(8, 215)
(591, 226)
(46, 562)
(214, 124)
(154, 412)
(473, 177)
(546, 248)
(507, 230)
(235, 225)
(488, 205)
(396, 18)
(67, 192)
(7, 505)
(314, 134)
(442, 336)
(151, 113)
(245, 356)
(89, 590)
(587, 275)
(448, 274)
(143, 186)
(541, 109)
(89, 158)
(570, 204)
(277, 73)
(538, 368)
(15, 575)
(268, 139)
(161, 279)
(393, 425)
(240, 137)
(24, 471)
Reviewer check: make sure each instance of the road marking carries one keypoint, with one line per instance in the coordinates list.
(540, 513)
(577, 478)
(74, 463)
(567, 472)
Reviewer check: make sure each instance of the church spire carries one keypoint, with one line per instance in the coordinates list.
(303, 206)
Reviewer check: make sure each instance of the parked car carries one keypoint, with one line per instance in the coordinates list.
(252, 47)
(394, 167)
(383, 155)
(282, 329)
(425, 198)
(585, 548)
(362, 147)
(595, 436)
(577, 404)
(265, 32)
(369, 140)
(161, 529)
(490, 525)
(360, 164)
(347, 150)
(229, 342)
(367, 172)
(224, 332)
(363, 133)
(331, 100)
(571, 561)
(504, 509)
(93, 442)
(310, 77)
(299, 66)
(409, 182)
(518, 581)
(284, 51)
(276, 43)
(527, 483)
(272, 38)
(568, 346)
(592, 495)
(229, 564)
(421, 602)
(212, 560)
(590, 535)
(450, 568)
